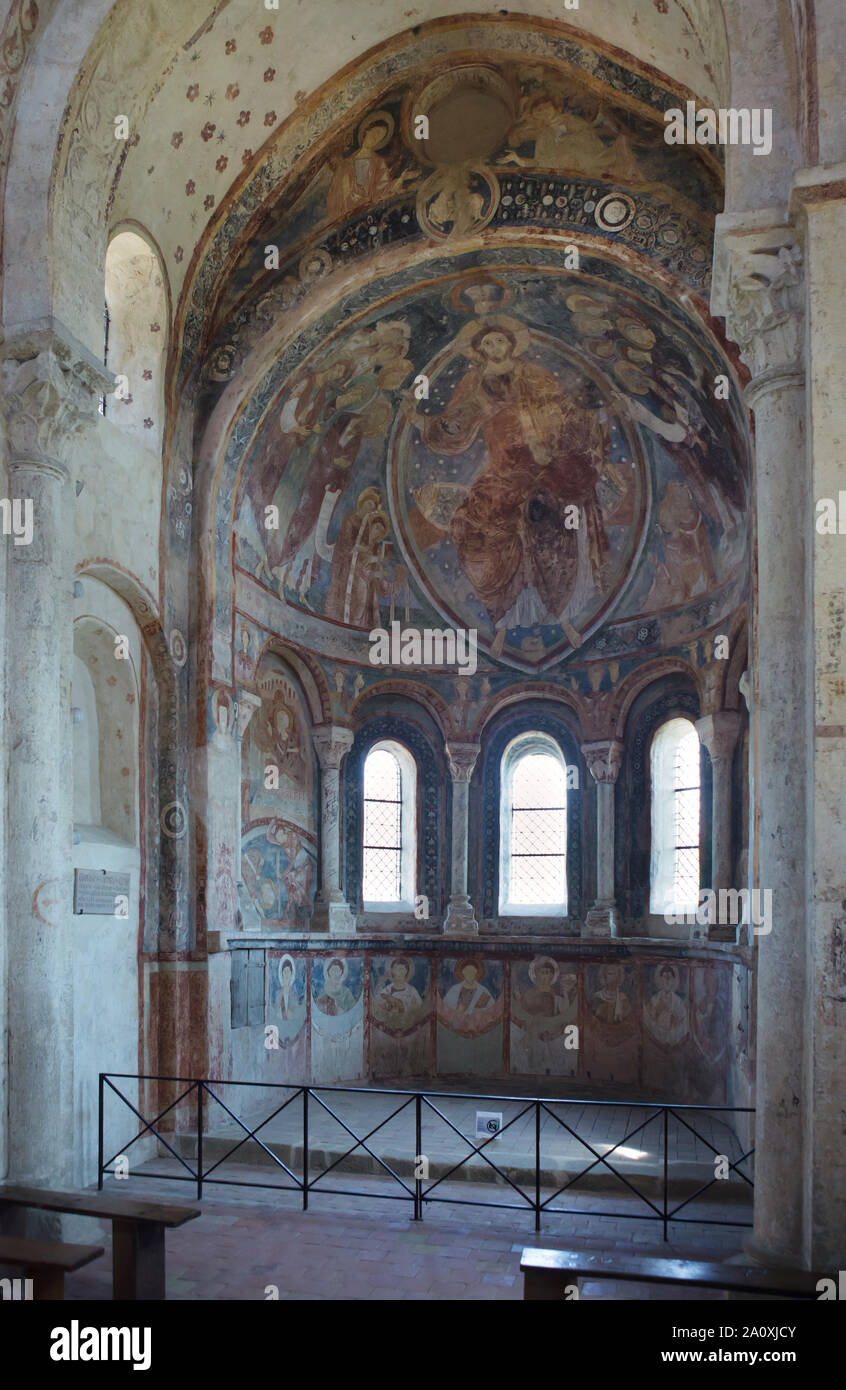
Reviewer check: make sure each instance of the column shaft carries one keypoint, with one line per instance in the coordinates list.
(40, 918)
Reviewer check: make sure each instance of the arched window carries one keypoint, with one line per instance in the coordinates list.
(135, 330)
(533, 828)
(674, 764)
(389, 857)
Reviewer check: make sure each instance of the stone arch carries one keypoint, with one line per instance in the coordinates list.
(645, 676)
(665, 692)
(108, 710)
(309, 671)
(434, 703)
(434, 817)
(518, 694)
(513, 718)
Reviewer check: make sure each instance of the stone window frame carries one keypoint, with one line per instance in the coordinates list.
(531, 717)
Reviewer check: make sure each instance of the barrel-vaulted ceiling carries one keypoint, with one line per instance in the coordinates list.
(218, 96)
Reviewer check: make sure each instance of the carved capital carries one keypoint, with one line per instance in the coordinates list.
(49, 394)
(604, 759)
(462, 759)
(759, 289)
(332, 742)
(719, 733)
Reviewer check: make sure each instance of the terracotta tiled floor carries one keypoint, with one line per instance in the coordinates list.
(353, 1248)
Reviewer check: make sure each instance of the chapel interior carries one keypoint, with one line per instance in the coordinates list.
(431, 630)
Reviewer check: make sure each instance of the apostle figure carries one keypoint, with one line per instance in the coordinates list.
(364, 178)
(336, 997)
(356, 578)
(469, 993)
(665, 1014)
(398, 995)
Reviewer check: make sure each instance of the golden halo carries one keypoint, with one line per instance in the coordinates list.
(585, 304)
(468, 960)
(637, 333)
(376, 118)
(632, 378)
(602, 348)
(591, 325)
(640, 359)
(461, 291)
(491, 323)
(545, 961)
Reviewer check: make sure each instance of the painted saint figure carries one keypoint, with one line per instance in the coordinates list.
(544, 448)
(469, 993)
(398, 995)
(336, 997)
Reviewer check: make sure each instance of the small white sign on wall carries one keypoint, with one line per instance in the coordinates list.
(488, 1123)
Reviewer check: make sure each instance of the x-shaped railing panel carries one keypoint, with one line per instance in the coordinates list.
(476, 1149)
(251, 1134)
(362, 1143)
(151, 1125)
(601, 1158)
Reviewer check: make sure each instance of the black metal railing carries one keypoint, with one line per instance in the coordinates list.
(664, 1205)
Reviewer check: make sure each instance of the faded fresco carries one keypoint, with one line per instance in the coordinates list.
(566, 463)
(337, 1019)
(470, 1014)
(657, 1027)
(666, 1020)
(400, 1007)
(544, 1018)
(492, 124)
(279, 835)
(612, 1024)
(287, 1012)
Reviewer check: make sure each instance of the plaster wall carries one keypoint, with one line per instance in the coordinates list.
(104, 950)
(110, 468)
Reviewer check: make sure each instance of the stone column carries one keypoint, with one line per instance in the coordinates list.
(460, 918)
(49, 394)
(759, 288)
(821, 205)
(719, 733)
(604, 759)
(331, 910)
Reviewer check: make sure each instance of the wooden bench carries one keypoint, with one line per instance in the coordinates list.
(46, 1262)
(547, 1273)
(138, 1232)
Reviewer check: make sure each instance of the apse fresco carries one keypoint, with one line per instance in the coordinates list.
(411, 1015)
(504, 139)
(528, 454)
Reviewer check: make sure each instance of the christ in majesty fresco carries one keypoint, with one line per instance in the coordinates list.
(545, 446)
